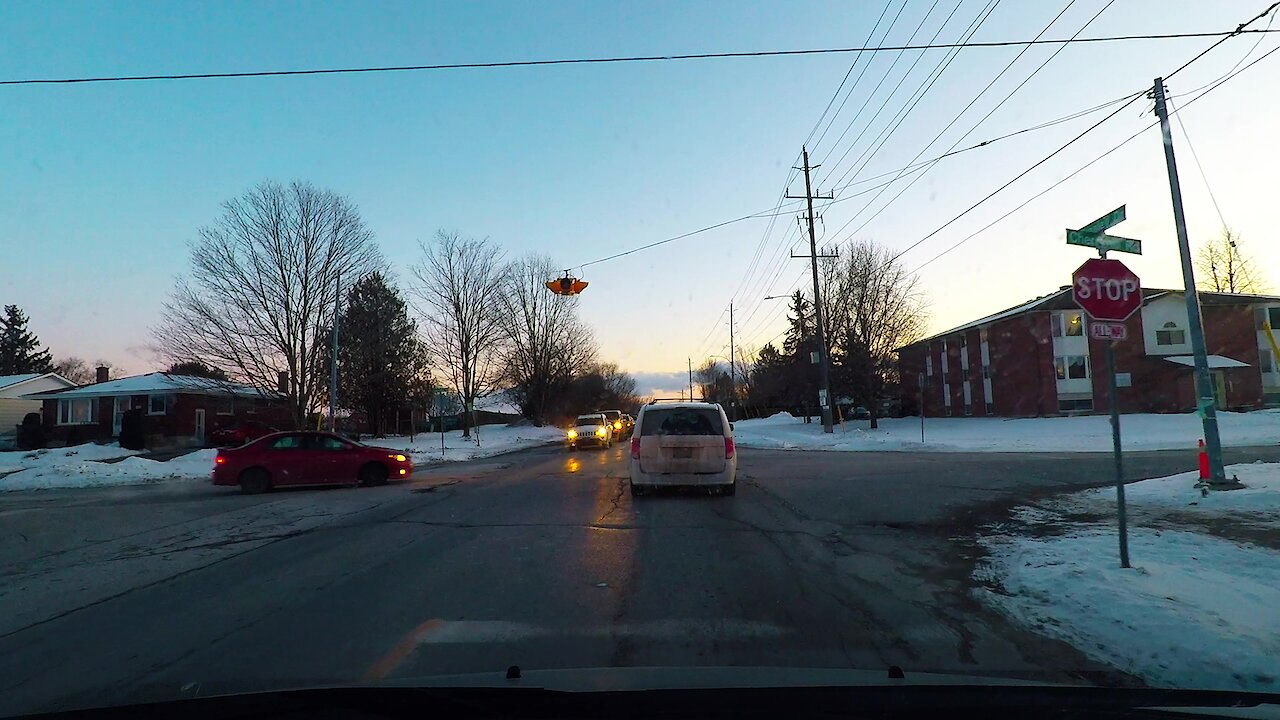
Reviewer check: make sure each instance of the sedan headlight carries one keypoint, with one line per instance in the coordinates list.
(399, 458)
(573, 434)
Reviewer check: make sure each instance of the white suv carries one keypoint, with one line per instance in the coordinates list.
(687, 443)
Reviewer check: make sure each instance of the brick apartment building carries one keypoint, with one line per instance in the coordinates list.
(1038, 359)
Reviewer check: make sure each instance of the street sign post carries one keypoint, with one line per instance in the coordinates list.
(1109, 293)
(1094, 235)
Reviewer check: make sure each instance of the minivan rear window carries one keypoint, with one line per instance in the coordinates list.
(681, 421)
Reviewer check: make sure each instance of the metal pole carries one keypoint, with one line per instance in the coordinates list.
(824, 371)
(1114, 399)
(1206, 404)
(733, 384)
(333, 365)
(690, 379)
(920, 385)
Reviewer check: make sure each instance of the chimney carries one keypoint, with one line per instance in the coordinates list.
(282, 382)
(104, 374)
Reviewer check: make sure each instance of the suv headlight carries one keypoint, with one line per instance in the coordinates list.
(573, 434)
(601, 432)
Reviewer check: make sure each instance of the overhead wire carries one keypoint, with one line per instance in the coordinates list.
(1196, 157)
(484, 65)
(976, 125)
(1092, 162)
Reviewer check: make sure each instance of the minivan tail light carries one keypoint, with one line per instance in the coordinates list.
(729, 448)
(635, 448)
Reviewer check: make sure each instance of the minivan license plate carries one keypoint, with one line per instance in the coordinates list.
(682, 453)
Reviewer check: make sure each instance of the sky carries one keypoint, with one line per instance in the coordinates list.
(105, 185)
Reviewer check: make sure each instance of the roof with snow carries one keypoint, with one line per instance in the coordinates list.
(1062, 300)
(11, 380)
(156, 383)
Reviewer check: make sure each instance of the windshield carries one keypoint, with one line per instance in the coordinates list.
(375, 342)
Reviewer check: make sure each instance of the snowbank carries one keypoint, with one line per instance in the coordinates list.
(52, 457)
(1089, 433)
(494, 440)
(77, 472)
(1259, 500)
(1194, 611)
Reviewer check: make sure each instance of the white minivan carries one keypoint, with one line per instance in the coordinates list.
(684, 443)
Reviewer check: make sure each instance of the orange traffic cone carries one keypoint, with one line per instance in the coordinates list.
(1204, 462)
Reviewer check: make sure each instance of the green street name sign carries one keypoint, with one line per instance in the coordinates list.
(1094, 235)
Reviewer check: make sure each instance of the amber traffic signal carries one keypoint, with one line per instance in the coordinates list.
(567, 285)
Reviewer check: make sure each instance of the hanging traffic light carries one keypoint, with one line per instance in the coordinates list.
(567, 285)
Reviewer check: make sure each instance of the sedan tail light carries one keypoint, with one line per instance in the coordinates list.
(635, 448)
(219, 459)
(729, 448)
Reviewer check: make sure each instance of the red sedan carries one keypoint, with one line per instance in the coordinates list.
(307, 458)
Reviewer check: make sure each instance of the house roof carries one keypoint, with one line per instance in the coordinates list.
(11, 380)
(1062, 300)
(153, 383)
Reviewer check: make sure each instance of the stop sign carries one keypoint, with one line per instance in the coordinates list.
(1106, 289)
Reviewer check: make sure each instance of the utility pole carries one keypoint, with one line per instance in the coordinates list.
(733, 384)
(333, 363)
(824, 366)
(690, 379)
(1206, 404)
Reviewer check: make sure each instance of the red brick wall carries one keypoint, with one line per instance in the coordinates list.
(1023, 383)
(1230, 331)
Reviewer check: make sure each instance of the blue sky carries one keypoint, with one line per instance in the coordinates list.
(105, 184)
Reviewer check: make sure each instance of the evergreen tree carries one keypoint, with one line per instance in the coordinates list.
(20, 351)
(195, 368)
(381, 361)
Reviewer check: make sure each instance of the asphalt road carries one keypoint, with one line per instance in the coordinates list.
(539, 559)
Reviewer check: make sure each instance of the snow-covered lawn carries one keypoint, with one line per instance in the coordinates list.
(23, 459)
(1195, 610)
(1087, 433)
(56, 469)
(494, 440)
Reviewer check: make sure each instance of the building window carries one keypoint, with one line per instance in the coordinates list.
(1265, 360)
(991, 409)
(986, 372)
(968, 409)
(1273, 317)
(1071, 367)
(1076, 405)
(1171, 335)
(225, 406)
(944, 357)
(75, 411)
(928, 365)
(157, 404)
(1067, 324)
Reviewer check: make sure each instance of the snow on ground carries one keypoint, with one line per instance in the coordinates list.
(1258, 501)
(1086, 433)
(1194, 611)
(50, 457)
(77, 472)
(1197, 609)
(494, 440)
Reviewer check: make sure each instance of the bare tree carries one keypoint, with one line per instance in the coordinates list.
(461, 283)
(75, 369)
(873, 307)
(263, 288)
(545, 341)
(1223, 268)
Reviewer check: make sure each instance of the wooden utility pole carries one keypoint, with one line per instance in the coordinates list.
(1206, 402)
(333, 365)
(733, 384)
(824, 362)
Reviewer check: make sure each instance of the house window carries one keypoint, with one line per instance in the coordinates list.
(986, 372)
(1273, 317)
(944, 357)
(1265, 360)
(75, 411)
(1076, 405)
(1171, 335)
(158, 404)
(991, 409)
(1071, 367)
(225, 406)
(928, 365)
(1067, 324)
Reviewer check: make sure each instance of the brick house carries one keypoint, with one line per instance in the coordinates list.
(1038, 359)
(180, 410)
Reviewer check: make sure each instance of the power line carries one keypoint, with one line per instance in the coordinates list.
(620, 59)
(1196, 156)
(1124, 142)
(854, 64)
(1091, 128)
(976, 125)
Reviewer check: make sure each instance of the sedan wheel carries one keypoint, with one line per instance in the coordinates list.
(254, 481)
(372, 475)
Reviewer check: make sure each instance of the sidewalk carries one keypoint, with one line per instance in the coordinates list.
(1198, 607)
